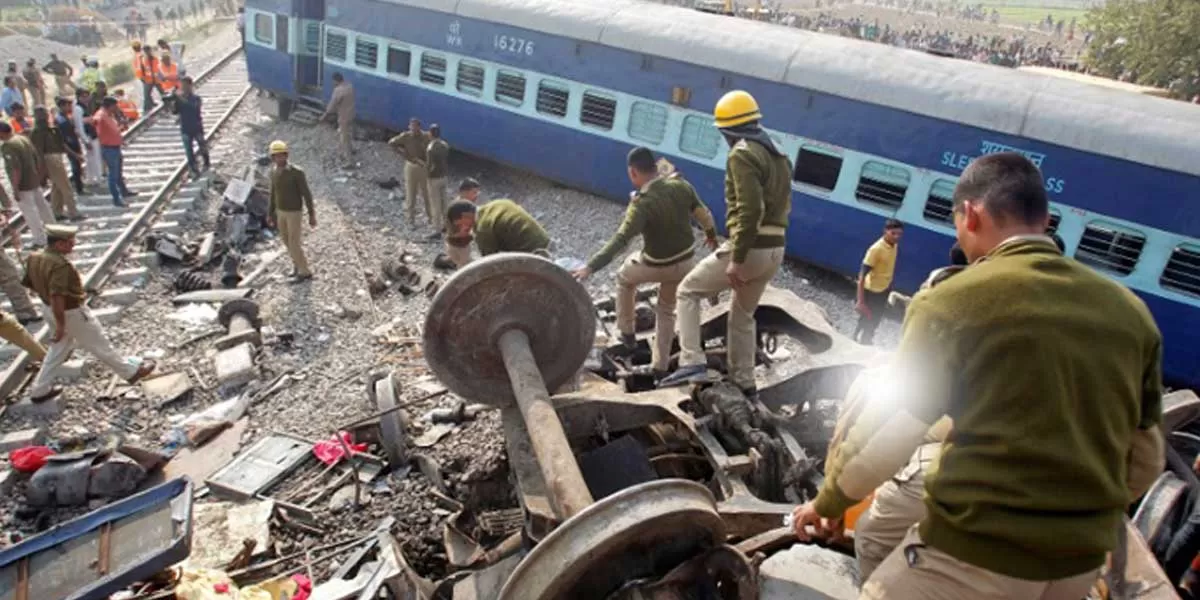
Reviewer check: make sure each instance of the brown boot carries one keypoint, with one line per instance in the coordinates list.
(147, 368)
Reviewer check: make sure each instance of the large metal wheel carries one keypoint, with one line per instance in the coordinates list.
(642, 531)
(501, 292)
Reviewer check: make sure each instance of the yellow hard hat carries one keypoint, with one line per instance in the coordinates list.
(277, 147)
(136, 45)
(736, 108)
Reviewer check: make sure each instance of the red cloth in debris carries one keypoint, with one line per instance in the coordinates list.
(303, 587)
(29, 458)
(330, 451)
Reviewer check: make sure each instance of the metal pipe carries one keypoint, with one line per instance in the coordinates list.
(564, 481)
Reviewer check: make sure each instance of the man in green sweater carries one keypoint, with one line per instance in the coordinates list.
(660, 211)
(758, 200)
(1051, 374)
(499, 226)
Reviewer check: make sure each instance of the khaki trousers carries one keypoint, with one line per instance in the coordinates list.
(708, 279)
(345, 135)
(62, 195)
(37, 213)
(38, 95)
(10, 284)
(898, 505)
(414, 184)
(635, 272)
(82, 331)
(291, 230)
(436, 188)
(919, 572)
(12, 332)
(65, 86)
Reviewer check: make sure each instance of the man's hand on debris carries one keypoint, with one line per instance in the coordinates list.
(711, 242)
(312, 220)
(582, 274)
(863, 309)
(805, 515)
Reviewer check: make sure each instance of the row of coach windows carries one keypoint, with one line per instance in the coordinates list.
(1103, 246)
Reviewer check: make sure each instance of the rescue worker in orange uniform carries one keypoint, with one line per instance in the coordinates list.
(149, 77)
(128, 108)
(167, 77)
(19, 121)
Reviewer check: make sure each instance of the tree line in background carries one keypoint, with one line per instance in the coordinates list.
(1148, 42)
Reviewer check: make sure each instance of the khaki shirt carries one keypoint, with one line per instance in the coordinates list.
(49, 273)
(439, 158)
(414, 145)
(20, 157)
(47, 140)
(33, 78)
(342, 103)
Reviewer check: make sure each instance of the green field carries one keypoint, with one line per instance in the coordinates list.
(1024, 15)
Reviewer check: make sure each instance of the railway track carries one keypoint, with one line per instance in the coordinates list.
(155, 166)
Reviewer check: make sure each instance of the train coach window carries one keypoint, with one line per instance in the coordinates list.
(399, 61)
(264, 29)
(598, 110)
(882, 185)
(433, 69)
(470, 78)
(366, 54)
(1110, 247)
(648, 122)
(699, 137)
(312, 37)
(817, 167)
(939, 208)
(552, 98)
(335, 46)
(510, 88)
(1183, 270)
(1055, 219)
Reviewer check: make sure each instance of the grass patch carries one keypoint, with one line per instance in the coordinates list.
(118, 73)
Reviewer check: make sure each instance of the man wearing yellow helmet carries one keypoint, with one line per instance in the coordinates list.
(290, 197)
(758, 199)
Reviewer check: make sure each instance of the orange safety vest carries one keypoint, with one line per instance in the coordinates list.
(127, 107)
(137, 66)
(168, 76)
(16, 124)
(149, 70)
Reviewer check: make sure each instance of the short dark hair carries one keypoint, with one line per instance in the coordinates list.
(458, 208)
(187, 80)
(5, 127)
(642, 160)
(108, 101)
(958, 258)
(81, 91)
(468, 184)
(337, 76)
(893, 224)
(435, 130)
(16, 106)
(61, 99)
(1008, 185)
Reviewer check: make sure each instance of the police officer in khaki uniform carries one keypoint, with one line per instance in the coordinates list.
(290, 198)
(499, 226)
(660, 210)
(758, 200)
(21, 162)
(341, 104)
(55, 280)
(438, 154)
(458, 243)
(51, 148)
(413, 145)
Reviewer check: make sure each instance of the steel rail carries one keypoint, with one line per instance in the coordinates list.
(17, 222)
(16, 372)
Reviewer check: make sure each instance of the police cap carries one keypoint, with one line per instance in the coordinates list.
(61, 232)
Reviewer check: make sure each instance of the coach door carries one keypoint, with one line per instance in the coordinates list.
(309, 47)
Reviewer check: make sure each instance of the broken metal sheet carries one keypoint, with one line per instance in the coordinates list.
(222, 526)
(485, 584)
(461, 549)
(165, 389)
(199, 463)
(1159, 506)
(213, 295)
(394, 572)
(1142, 578)
(1180, 407)
(434, 434)
(261, 466)
(102, 552)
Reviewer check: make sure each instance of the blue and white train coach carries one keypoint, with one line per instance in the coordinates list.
(564, 88)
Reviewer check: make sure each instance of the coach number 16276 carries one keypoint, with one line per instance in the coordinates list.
(515, 45)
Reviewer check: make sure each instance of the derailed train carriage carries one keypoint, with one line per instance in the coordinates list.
(563, 88)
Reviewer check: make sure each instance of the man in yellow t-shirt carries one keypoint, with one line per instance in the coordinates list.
(875, 281)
